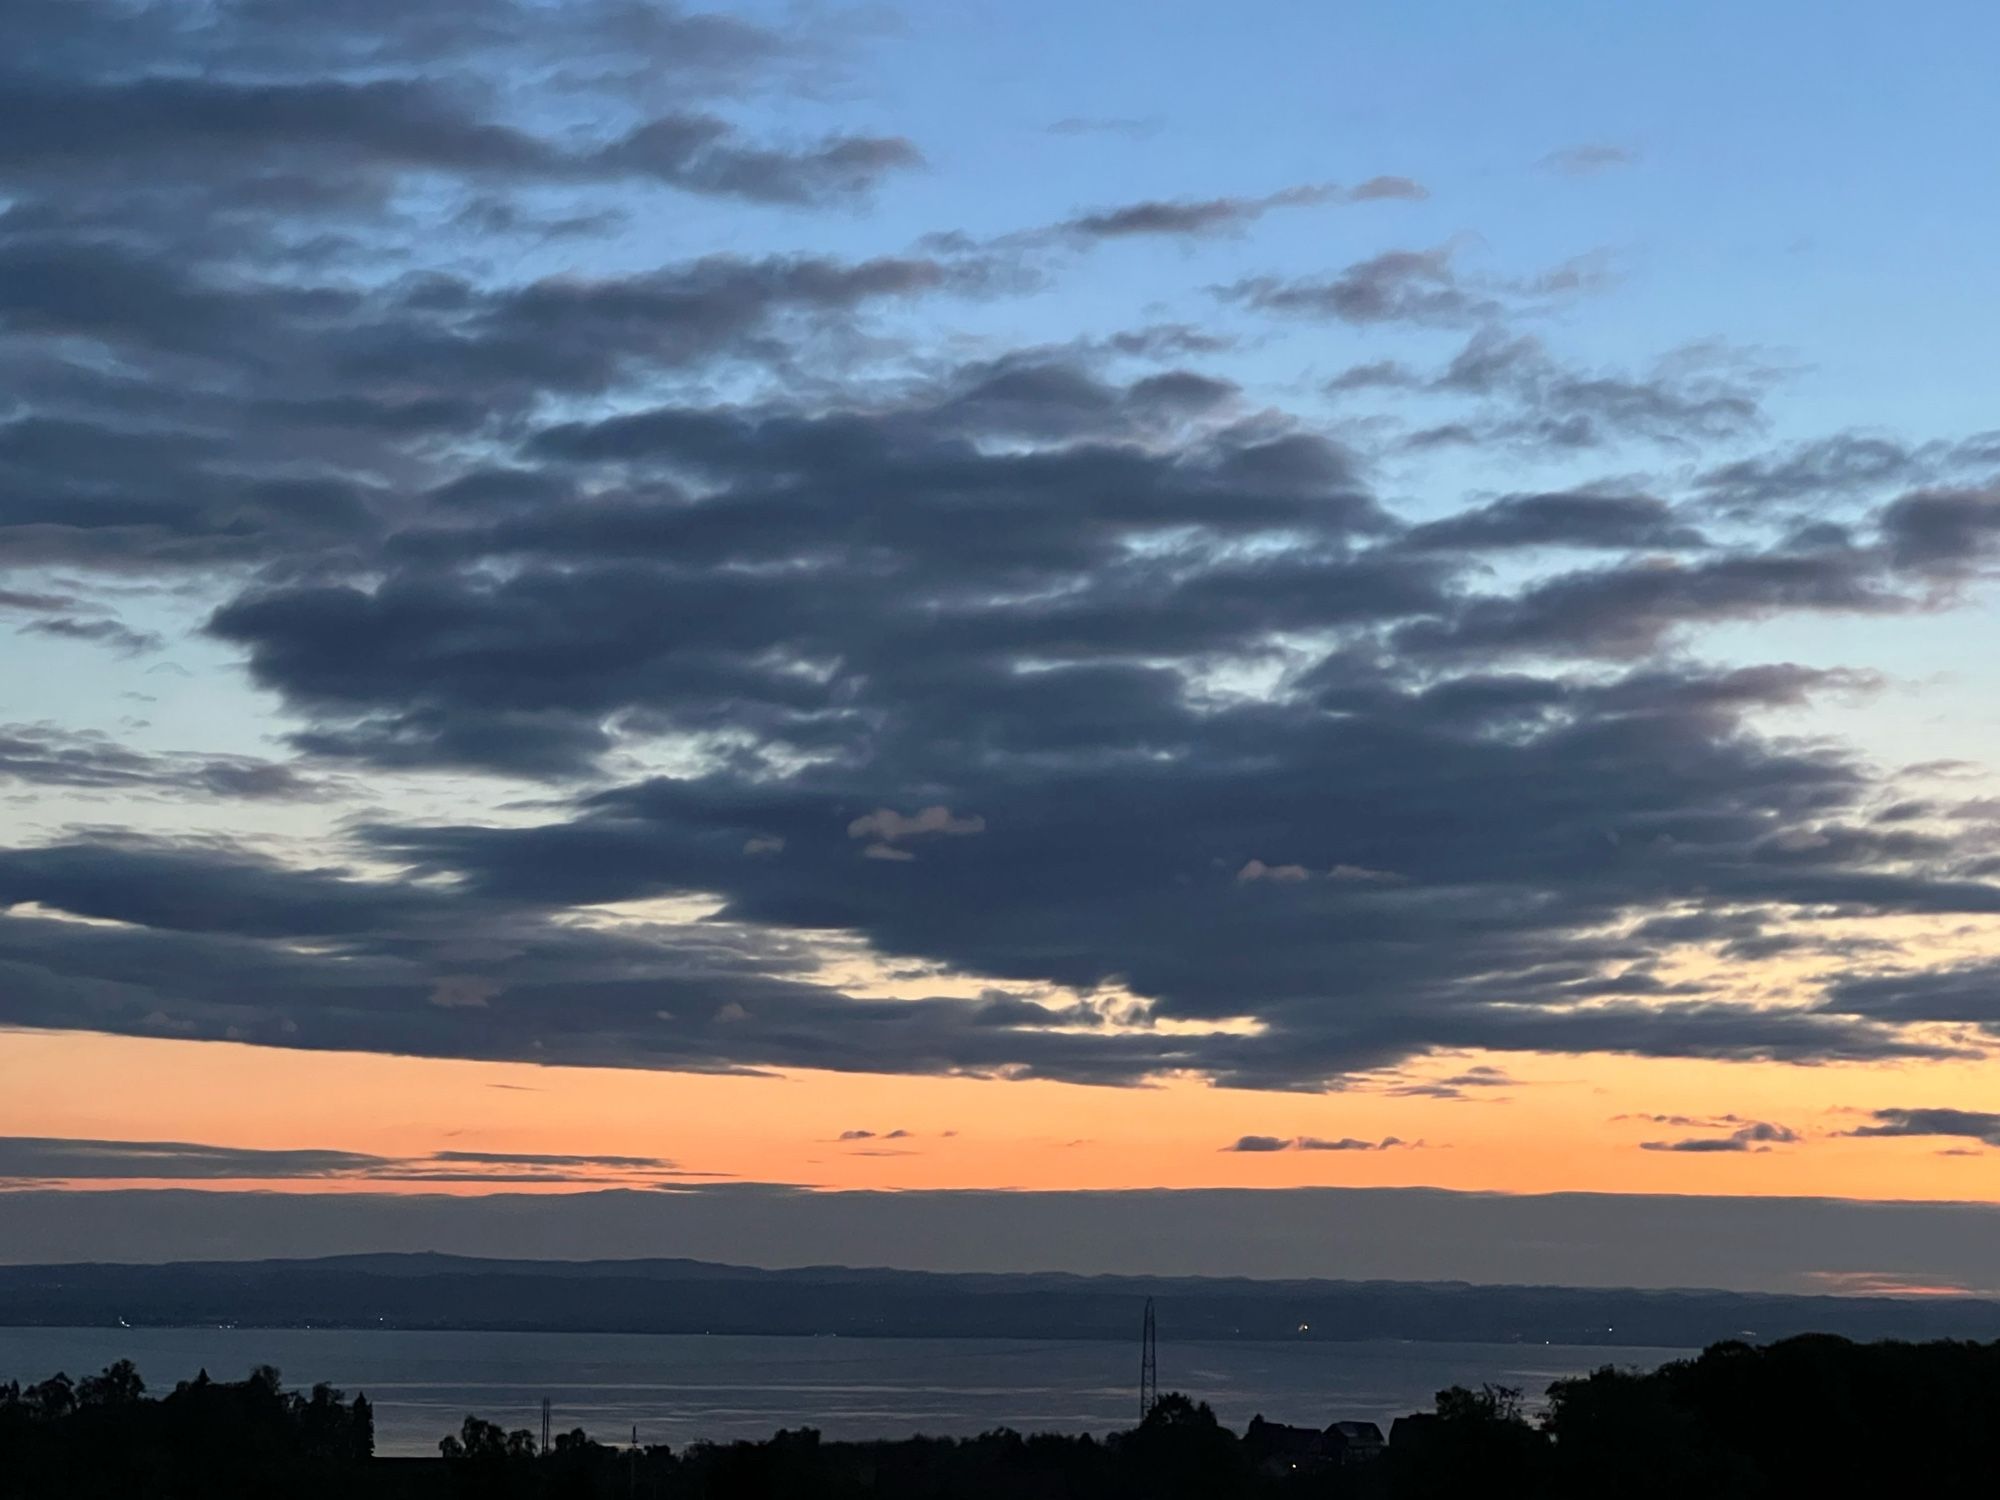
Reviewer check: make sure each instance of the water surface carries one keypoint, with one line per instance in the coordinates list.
(675, 1388)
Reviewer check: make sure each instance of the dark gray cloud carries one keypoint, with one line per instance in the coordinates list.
(120, 638)
(268, 120)
(1943, 533)
(44, 755)
(1516, 395)
(1968, 993)
(1263, 1143)
(1569, 519)
(1968, 1124)
(1465, 1085)
(1350, 1143)
(1839, 468)
(1690, 398)
(1260, 1143)
(1397, 286)
(1752, 1135)
(1186, 216)
(33, 1159)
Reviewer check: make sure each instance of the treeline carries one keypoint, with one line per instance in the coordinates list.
(102, 1436)
(1815, 1415)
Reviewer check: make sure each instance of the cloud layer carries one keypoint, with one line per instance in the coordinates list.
(1150, 720)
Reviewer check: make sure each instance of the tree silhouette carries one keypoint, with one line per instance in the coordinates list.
(118, 1385)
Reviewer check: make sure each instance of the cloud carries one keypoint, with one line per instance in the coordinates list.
(222, 132)
(1137, 129)
(463, 992)
(47, 755)
(1213, 215)
(1456, 1085)
(1589, 159)
(1260, 1143)
(1970, 1124)
(1397, 286)
(1256, 869)
(891, 827)
(1754, 1135)
(41, 1159)
(1349, 1143)
(1563, 519)
(721, 571)
(120, 638)
(1264, 1143)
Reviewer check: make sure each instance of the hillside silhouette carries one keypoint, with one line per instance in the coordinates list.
(425, 1291)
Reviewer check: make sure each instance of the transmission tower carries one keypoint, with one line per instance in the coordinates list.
(1149, 1366)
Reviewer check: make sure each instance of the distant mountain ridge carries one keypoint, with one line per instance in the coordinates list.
(434, 1291)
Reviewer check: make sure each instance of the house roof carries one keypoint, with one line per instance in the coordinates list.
(1355, 1432)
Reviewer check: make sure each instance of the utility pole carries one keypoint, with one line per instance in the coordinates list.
(545, 1424)
(1149, 1366)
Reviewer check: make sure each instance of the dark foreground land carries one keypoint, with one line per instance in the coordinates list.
(1814, 1415)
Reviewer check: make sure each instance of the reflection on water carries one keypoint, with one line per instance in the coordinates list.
(675, 1388)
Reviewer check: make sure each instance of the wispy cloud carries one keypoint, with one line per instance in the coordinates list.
(1265, 1143)
(41, 1159)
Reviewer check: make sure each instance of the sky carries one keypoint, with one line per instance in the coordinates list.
(799, 603)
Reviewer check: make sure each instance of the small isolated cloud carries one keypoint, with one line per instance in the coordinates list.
(1589, 159)
(1892, 1284)
(1481, 1076)
(1259, 1143)
(1362, 875)
(763, 844)
(1754, 1135)
(1125, 125)
(889, 828)
(1256, 869)
(889, 824)
(464, 992)
(1263, 1143)
(876, 1135)
(1376, 189)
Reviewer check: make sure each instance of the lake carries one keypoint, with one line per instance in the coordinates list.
(675, 1388)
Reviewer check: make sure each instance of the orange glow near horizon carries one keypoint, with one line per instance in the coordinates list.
(1556, 1127)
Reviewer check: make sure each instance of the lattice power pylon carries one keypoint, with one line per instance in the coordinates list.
(1149, 1366)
